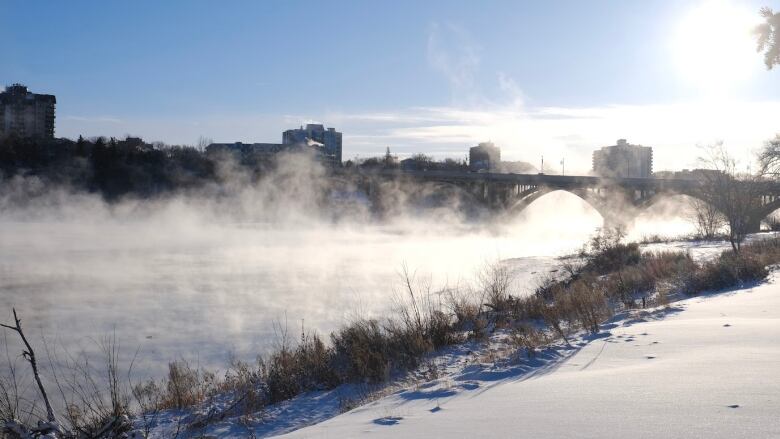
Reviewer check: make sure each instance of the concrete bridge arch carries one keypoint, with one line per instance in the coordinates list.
(592, 198)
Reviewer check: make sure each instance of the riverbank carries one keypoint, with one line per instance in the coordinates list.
(505, 355)
(704, 367)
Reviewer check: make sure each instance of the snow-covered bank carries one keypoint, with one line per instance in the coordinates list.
(708, 367)
(470, 369)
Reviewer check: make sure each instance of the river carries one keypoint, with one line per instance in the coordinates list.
(178, 283)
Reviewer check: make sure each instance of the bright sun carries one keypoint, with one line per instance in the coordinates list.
(713, 46)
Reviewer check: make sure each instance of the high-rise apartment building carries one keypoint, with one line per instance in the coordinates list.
(485, 156)
(623, 161)
(24, 114)
(329, 138)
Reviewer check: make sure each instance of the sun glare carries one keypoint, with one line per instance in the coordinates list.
(713, 46)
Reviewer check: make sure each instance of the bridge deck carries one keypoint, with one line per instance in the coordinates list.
(562, 181)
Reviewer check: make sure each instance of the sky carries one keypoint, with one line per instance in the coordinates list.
(554, 79)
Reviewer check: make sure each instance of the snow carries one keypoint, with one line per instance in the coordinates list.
(703, 250)
(706, 367)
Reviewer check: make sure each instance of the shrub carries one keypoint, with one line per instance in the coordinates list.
(728, 271)
(528, 338)
(766, 250)
(494, 281)
(440, 330)
(360, 352)
(586, 305)
(281, 375)
(555, 314)
(527, 308)
(548, 286)
(613, 258)
(406, 346)
(464, 310)
(186, 386)
(248, 384)
(606, 252)
(312, 361)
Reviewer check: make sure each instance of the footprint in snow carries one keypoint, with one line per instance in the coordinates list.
(733, 406)
(650, 357)
(726, 325)
(388, 420)
(471, 385)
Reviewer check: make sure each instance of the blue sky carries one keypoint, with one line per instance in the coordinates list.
(536, 77)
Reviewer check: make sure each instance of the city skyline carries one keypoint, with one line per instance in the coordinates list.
(447, 80)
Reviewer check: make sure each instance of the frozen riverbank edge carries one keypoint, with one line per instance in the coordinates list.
(701, 367)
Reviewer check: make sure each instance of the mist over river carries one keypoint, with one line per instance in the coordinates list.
(176, 280)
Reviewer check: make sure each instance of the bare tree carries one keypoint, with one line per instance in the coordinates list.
(707, 220)
(769, 157)
(203, 142)
(767, 37)
(14, 428)
(735, 195)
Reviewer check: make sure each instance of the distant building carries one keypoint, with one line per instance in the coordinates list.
(687, 174)
(409, 164)
(329, 138)
(266, 151)
(26, 114)
(418, 162)
(246, 148)
(516, 167)
(485, 156)
(325, 143)
(623, 160)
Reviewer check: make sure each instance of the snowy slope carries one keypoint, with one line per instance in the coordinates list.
(708, 367)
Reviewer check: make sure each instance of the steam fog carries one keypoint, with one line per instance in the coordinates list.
(205, 275)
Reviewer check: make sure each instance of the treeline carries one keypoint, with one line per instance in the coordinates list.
(417, 162)
(118, 167)
(110, 167)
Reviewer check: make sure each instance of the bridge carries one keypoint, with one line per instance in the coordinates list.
(617, 200)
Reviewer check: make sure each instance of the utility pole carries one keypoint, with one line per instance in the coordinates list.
(541, 170)
(563, 166)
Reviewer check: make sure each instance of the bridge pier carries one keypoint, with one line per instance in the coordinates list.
(616, 220)
(754, 226)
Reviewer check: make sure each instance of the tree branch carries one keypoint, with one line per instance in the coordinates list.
(29, 355)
